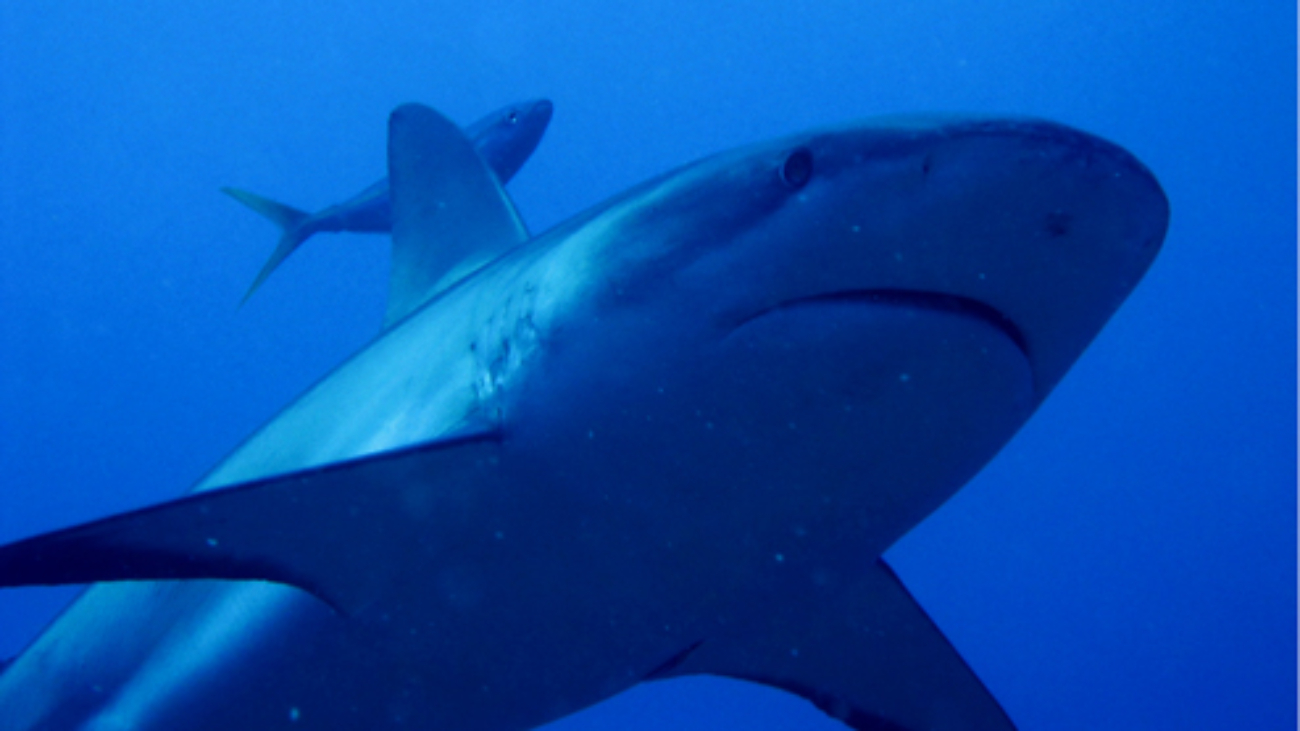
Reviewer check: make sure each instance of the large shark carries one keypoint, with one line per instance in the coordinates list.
(505, 139)
(672, 436)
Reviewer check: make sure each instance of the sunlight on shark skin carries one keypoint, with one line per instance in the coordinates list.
(670, 437)
(505, 139)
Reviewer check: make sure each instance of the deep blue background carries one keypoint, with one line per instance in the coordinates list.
(1129, 561)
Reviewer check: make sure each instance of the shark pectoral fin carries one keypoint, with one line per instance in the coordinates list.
(450, 214)
(866, 654)
(343, 532)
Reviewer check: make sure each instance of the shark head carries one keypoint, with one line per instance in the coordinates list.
(1037, 228)
(879, 306)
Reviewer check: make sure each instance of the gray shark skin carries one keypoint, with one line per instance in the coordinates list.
(672, 436)
(505, 139)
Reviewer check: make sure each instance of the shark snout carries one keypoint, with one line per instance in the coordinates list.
(1048, 226)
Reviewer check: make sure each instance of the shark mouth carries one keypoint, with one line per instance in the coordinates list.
(914, 299)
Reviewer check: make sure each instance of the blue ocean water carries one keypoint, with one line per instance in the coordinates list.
(1129, 561)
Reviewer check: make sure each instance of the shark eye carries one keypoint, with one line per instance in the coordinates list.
(797, 169)
(513, 117)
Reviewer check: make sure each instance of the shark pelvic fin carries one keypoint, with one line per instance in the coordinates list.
(328, 530)
(866, 654)
(450, 214)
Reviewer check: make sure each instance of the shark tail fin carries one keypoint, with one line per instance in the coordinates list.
(289, 219)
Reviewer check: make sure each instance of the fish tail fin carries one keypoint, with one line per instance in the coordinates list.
(288, 242)
(286, 217)
(289, 219)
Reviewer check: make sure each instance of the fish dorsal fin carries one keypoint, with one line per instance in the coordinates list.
(346, 532)
(865, 653)
(450, 214)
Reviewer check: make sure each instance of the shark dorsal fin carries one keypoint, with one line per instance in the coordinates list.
(450, 214)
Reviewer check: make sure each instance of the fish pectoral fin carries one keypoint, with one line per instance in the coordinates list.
(866, 654)
(450, 214)
(345, 532)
